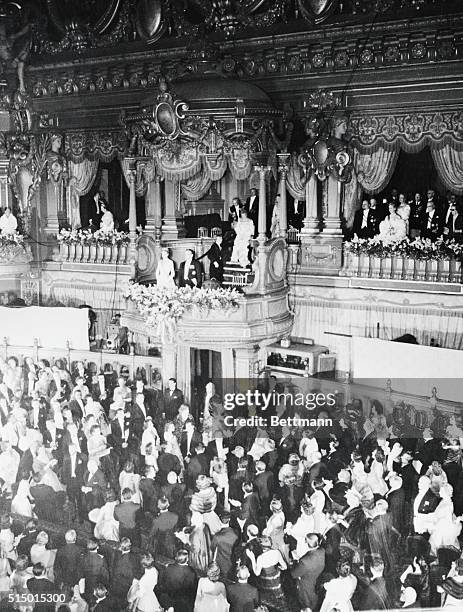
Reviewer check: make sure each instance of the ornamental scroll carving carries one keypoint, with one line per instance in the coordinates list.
(410, 131)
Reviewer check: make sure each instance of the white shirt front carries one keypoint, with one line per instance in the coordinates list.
(365, 219)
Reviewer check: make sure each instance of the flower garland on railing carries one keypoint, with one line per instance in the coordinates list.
(163, 308)
(87, 237)
(419, 248)
(8, 240)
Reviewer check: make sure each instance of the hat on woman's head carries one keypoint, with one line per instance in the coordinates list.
(276, 505)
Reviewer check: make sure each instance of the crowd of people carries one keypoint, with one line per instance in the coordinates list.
(399, 217)
(182, 511)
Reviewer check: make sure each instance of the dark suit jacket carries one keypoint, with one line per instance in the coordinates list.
(178, 586)
(45, 502)
(127, 514)
(215, 256)
(151, 492)
(25, 544)
(375, 596)
(94, 569)
(96, 497)
(222, 546)
(296, 216)
(454, 227)
(199, 464)
(242, 597)
(429, 503)
(368, 231)
(194, 273)
(263, 482)
(161, 537)
(76, 410)
(306, 572)
(125, 567)
(196, 439)
(37, 586)
(250, 509)
(68, 565)
(172, 402)
(436, 226)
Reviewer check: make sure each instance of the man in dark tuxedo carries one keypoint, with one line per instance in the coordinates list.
(364, 222)
(376, 596)
(190, 272)
(264, 484)
(198, 464)
(27, 538)
(431, 223)
(453, 224)
(127, 513)
(40, 585)
(190, 438)
(250, 506)
(94, 569)
(424, 504)
(242, 596)
(103, 602)
(173, 399)
(45, 499)
(150, 398)
(307, 571)
(119, 436)
(94, 487)
(101, 391)
(162, 539)
(215, 256)
(296, 213)
(222, 546)
(68, 562)
(37, 416)
(125, 568)
(178, 585)
(76, 406)
(150, 491)
(252, 208)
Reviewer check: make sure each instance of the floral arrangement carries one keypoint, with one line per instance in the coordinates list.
(163, 308)
(79, 236)
(8, 240)
(419, 248)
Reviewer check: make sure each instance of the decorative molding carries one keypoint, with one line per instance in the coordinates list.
(408, 130)
(104, 145)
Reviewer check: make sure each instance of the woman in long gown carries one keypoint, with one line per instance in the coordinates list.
(165, 271)
(41, 554)
(267, 568)
(107, 219)
(275, 528)
(393, 227)
(404, 210)
(141, 596)
(22, 501)
(339, 590)
(106, 526)
(211, 595)
(305, 524)
(200, 544)
(129, 480)
(446, 528)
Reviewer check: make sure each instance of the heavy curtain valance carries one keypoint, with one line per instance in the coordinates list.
(410, 131)
(100, 146)
(296, 179)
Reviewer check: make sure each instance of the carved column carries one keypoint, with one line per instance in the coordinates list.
(169, 222)
(311, 225)
(333, 218)
(283, 166)
(262, 225)
(154, 207)
(132, 172)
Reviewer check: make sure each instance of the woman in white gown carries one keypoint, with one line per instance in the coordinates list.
(165, 271)
(129, 480)
(446, 527)
(22, 501)
(275, 223)
(339, 590)
(41, 554)
(106, 526)
(275, 528)
(211, 595)
(107, 219)
(393, 228)
(141, 596)
(403, 210)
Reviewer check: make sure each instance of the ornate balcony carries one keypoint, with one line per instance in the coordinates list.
(402, 268)
(93, 253)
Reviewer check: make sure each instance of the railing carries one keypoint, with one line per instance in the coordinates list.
(99, 358)
(402, 268)
(93, 253)
(294, 236)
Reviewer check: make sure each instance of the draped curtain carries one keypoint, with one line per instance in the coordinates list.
(372, 172)
(81, 178)
(359, 319)
(296, 179)
(196, 187)
(145, 174)
(449, 164)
